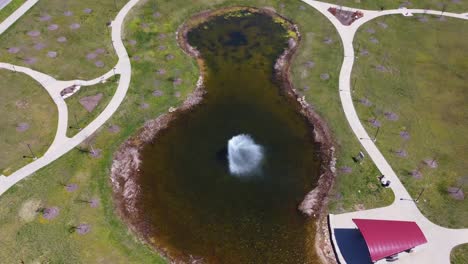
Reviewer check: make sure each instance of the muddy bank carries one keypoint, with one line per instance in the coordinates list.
(127, 160)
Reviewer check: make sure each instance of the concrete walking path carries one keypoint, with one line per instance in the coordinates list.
(62, 144)
(440, 240)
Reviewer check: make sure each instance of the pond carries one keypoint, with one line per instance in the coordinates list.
(195, 204)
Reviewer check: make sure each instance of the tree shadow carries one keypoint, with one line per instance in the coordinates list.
(352, 246)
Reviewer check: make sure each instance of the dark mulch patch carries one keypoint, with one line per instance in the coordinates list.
(364, 52)
(365, 102)
(370, 30)
(374, 40)
(100, 51)
(324, 76)
(34, 33)
(14, 50)
(95, 153)
(51, 212)
(52, 54)
(114, 129)
(158, 93)
(431, 163)
(75, 26)
(416, 174)
(68, 13)
(45, 17)
(53, 27)
(374, 122)
(144, 106)
(391, 116)
(94, 203)
(21, 127)
(91, 56)
(30, 60)
(401, 153)
(177, 81)
(87, 10)
(309, 64)
(83, 229)
(62, 39)
(382, 25)
(405, 135)
(346, 170)
(162, 47)
(169, 57)
(71, 187)
(99, 64)
(90, 102)
(39, 46)
(456, 193)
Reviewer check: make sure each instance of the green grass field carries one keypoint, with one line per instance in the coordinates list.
(424, 83)
(78, 116)
(10, 8)
(450, 6)
(460, 254)
(29, 116)
(92, 35)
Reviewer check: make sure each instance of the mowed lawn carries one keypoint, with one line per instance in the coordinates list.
(29, 116)
(456, 6)
(66, 39)
(94, 97)
(162, 76)
(415, 77)
(10, 8)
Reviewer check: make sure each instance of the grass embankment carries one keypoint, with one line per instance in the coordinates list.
(424, 83)
(29, 116)
(78, 116)
(450, 6)
(150, 37)
(10, 8)
(68, 28)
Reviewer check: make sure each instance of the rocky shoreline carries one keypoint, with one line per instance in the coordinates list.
(126, 163)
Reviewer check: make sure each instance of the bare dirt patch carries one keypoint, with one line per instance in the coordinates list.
(90, 102)
(456, 193)
(28, 210)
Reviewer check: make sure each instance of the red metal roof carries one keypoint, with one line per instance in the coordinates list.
(385, 238)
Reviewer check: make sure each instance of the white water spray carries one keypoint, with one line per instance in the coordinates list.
(244, 155)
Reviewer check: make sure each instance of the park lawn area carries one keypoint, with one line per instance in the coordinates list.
(150, 39)
(29, 116)
(10, 8)
(450, 5)
(78, 116)
(53, 20)
(423, 83)
(459, 255)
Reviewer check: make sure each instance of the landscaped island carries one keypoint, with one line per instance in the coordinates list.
(172, 181)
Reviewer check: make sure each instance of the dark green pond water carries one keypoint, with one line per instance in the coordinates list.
(192, 205)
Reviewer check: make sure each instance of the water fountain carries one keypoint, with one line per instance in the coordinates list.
(244, 155)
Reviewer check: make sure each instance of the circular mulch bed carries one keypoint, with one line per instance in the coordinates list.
(95, 153)
(162, 47)
(91, 56)
(30, 60)
(34, 33)
(391, 116)
(144, 106)
(50, 213)
(62, 39)
(94, 203)
(53, 27)
(87, 10)
(324, 76)
(374, 40)
(431, 163)
(374, 122)
(132, 42)
(177, 94)
(161, 71)
(456, 193)
(52, 54)
(83, 229)
(71, 187)
(169, 57)
(309, 64)
(39, 46)
(45, 17)
(100, 51)
(75, 26)
(136, 58)
(158, 93)
(405, 135)
(21, 127)
(177, 81)
(99, 64)
(364, 52)
(306, 87)
(328, 41)
(114, 129)
(156, 14)
(416, 174)
(346, 170)
(13, 50)
(68, 13)
(370, 30)
(365, 102)
(401, 153)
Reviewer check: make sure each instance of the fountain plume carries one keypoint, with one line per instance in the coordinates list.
(244, 155)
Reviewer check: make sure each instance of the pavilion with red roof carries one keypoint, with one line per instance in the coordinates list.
(385, 238)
